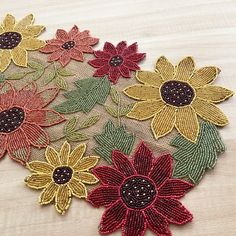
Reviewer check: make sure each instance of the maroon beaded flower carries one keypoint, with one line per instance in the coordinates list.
(116, 61)
(140, 193)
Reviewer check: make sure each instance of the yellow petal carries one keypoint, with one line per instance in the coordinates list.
(209, 112)
(185, 69)
(38, 181)
(203, 76)
(163, 122)
(32, 44)
(52, 156)
(48, 193)
(32, 31)
(26, 21)
(187, 123)
(214, 94)
(8, 22)
(63, 199)
(148, 77)
(145, 110)
(19, 56)
(86, 178)
(5, 59)
(165, 68)
(77, 154)
(65, 153)
(143, 92)
(86, 163)
(40, 166)
(1, 29)
(77, 188)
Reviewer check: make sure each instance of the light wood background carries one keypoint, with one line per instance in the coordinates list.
(205, 29)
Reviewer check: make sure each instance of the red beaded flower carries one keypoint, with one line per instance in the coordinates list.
(116, 61)
(140, 193)
(69, 45)
(22, 114)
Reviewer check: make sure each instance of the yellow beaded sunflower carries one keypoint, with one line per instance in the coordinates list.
(174, 95)
(16, 38)
(63, 175)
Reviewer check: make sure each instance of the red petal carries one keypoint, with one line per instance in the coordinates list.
(162, 169)
(73, 32)
(112, 218)
(36, 135)
(109, 175)
(76, 55)
(121, 46)
(174, 188)
(124, 71)
(143, 158)
(136, 57)
(173, 210)
(103, 196)
(55, 42)
(44, 117)
(131, 49)
(114, 75)
(109, 48)
(102, 54)
(49, 48)
(86, 49)
(156, 222)
(65, 58)
(7, 94)
(98, 62)
(102, 71)
(42, 99)
(87, 41)
(55, 55)
(135, 224)
(2, 145)
(18, 147)
(131, 65)
(122, 163)
(83, 34)
(62, 34)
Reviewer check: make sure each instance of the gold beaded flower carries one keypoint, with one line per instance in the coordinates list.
(174, 95)
(63, 175)
(16, 38)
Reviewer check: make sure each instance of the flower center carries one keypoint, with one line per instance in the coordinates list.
(9, 40)
(177, 93)
(116, 61)
(11, 119)
(62, 174)
(68, 45)
(138, 192)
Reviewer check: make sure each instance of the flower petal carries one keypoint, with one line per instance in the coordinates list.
(78, 189)
(125, 71)
(173, 210)
(122, 163)
(203, 76)
(64, 153)
(214, 94)
(114, 74)
(112, 218)
(40, 166)
(108, 175)
(62, 34)
(76, 55)
(35, 135)
(86, 163)
(143, 157)
(98, 62)
(131, 65)
(150, 78)
(187, 123)
(102, 71)
(109, 48)
(2, 145)
(143, 92)
(33, 30)
(19, 56)
(86, 49)
(101, 54)
(162, 169)
(146, 109)
(88, 41)
(209, 112)
(24, 22)
(38, 181)
(49, 48)
(55, 55)
(131, 49)
(7, 94)
(77, 154)
(165, 68)
(52, 156)
(136, 57)
(73, 32)
(48, 193)
(135, 224)
(32, 44)
(163, 122)
(65, 58)
(8, 22)
(5, 59)
(103, 196)
(174, 188)
(121, 46)
(63, 199)
(185, 69)
(86, 178)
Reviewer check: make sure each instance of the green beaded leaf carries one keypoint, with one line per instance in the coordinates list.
(113, 138)
(2, 78)
(89, 92)
(193, 159)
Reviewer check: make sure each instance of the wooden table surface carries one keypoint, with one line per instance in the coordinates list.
(205, 29)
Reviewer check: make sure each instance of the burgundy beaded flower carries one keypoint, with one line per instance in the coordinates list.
(116, 61)
(140, 193)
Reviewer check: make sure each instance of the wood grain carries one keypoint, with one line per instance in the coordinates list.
(205, 29)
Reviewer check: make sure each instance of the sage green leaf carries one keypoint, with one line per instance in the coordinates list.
(16, 76)
(70, 125)
(65, 72)
(61, 83)
(37, 74)
(193, 159)
(50, 77)
(115, 96)
(126, 109)
(113, 138)
(35, 65)
(90, 121)
(77, 137)
(2, 78)
(112, 111)
(89, 92)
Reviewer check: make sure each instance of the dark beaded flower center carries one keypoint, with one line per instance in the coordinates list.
(11, 119)
(68, 45)
(138, 192)
(116, 61)
(177, 93)
(9, 40)
(62, 174)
